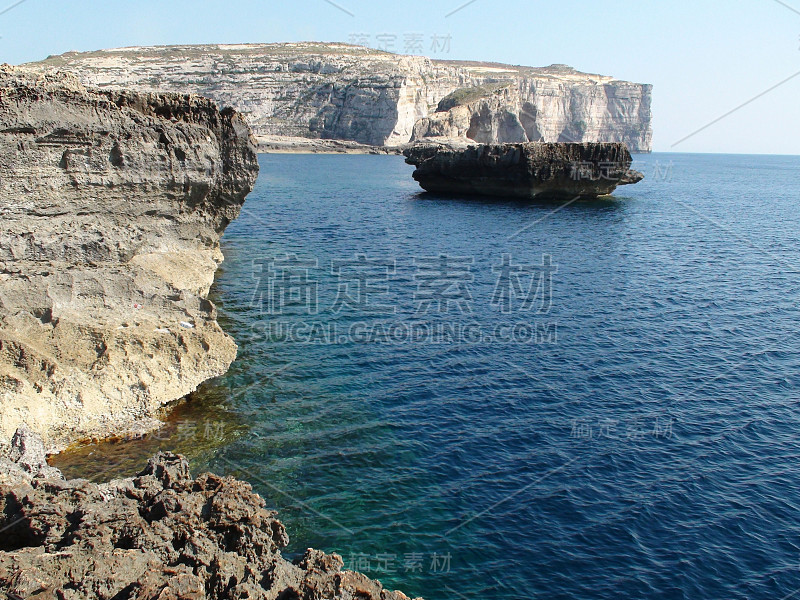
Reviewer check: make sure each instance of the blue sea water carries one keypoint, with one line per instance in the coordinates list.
(612, 414)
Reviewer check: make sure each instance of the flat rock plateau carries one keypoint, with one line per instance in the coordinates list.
(112, 204)
(533, 170)
(344, 92)
(162, 535)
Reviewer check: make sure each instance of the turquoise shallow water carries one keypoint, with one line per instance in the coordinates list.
(630, 431)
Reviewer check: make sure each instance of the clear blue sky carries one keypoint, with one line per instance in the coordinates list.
(704, 58)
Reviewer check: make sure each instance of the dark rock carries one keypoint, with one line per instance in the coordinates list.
(530, 170)
(161, 535)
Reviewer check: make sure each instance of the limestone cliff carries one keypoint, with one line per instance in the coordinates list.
(555, 104)
(111, 208)
(339, 91)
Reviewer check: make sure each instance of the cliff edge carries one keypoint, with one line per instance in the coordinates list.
(112, 204)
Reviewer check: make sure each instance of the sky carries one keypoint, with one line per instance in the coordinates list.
(704, 58)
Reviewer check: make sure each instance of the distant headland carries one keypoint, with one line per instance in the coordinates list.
(307, 96)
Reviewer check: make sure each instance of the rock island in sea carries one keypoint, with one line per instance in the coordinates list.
(532, 170)
(112, 204)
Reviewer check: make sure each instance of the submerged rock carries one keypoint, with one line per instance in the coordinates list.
(529, 170)
(111, 208)
(161, 535)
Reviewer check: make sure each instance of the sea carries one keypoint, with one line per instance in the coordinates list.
(472, 398)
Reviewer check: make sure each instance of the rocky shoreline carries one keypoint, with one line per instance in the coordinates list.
(162, 535)
(276, 144)
(112, 207)
(112, 204)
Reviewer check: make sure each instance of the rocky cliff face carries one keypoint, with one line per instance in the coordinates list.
(111, 208)
(162, 535)
(555, 104)
(339, 91)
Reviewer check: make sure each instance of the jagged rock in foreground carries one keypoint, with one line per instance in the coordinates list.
(26, 459)
(160, 536)
(346, 92)
(111, 208)
(532, 170)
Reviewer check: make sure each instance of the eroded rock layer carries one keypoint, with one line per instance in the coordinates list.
(340, 91)
(111, 208)
(162, 535)
(532, 170)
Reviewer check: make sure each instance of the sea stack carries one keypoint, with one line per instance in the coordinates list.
(537, 170)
